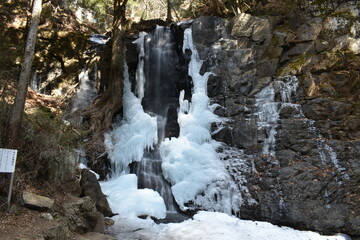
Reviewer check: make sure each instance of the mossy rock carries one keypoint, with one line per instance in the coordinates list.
(296, 65)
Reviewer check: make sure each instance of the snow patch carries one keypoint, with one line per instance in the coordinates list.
(126, 200)
(215, 226)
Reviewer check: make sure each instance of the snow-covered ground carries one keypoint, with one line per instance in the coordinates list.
(210, 226)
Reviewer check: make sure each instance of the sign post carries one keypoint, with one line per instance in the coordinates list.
(7, 165)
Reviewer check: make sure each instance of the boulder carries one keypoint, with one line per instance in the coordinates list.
(63, 170)
(57, 232)
(91, 187)
(81, 216)
(36, 202)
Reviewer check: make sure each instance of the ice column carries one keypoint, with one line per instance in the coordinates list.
(190, 162)
(137, 131)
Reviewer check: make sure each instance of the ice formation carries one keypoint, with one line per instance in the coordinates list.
(190, 162)
(140, 76)
(269, 108)
(137, 131)
(210, 226)
(125, 144)
(126, 199)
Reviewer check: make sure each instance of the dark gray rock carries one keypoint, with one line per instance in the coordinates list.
(308, 32)
(224, 135)
(215, 86)
(63, 171)
(205, 32)
(321, 108)
(58, 232)
(256, 28)
(91, 187)
(244, 134)
(260, 83)
(298, 49)
(321, 46)
(312, 179)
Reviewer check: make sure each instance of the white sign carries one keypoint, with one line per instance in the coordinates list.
(7, 160)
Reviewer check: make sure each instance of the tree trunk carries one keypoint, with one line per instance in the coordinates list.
(168, 16)
(14, 122)
(104, 108)
(119, 13)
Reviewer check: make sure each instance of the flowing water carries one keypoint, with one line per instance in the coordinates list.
(157, 59)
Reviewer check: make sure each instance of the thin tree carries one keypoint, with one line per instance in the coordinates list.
(168, 15)
(14, 122)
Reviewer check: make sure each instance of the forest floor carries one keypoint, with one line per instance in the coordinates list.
(20, 222)
(23, 224)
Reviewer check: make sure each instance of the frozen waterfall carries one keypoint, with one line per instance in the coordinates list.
(154, 173)
(190, 162)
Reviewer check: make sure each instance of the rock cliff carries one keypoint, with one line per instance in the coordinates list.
(289, 95)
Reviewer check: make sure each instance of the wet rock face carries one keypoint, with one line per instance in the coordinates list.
(300, 166)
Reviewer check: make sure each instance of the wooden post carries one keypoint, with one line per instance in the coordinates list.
(7, 165)
(10, 189)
